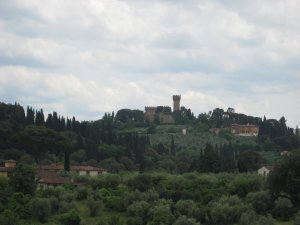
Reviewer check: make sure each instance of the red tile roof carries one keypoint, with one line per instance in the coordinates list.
(49, 177)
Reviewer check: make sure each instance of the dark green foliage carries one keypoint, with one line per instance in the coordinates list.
(185, 207)
(8, 217)
(140, 209)
(66, 206)
(18, 203)
(30, 116)
(129, 116)
(112, 165)
(250, 218)
(297, 219)
(23, 179)
(167, 165)
(260, 201)
(107, 181)
(81, 193)
(288, 142)
(227, 210)
(95, 206)
(39, 118)
(220, 118)
(183, 220)
(283, 208)
(70, 218)
(162, 214)
(127, 163)
(110, 151)
(242, 185)
(114, 203)
(5, 190)
(6, 133)
(286, 176)
(172, 150)
(40, 208)
(114, 220)
(249, 161)
(141, 182)
(38, 140)
(209, 160)
(151, 129)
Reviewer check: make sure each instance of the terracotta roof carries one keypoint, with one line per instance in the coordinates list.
(269, 167)
(49, 177)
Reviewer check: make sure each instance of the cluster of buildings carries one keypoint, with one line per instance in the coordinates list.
(52, 175)
(244, 130)
(163, 114)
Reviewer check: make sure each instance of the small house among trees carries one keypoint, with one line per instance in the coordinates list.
(49, 175)
(265, 170)
(9, 166)
(244, 130)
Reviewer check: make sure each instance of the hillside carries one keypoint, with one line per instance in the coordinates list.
(173, 174)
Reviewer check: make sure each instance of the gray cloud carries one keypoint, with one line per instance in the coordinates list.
(89, 57)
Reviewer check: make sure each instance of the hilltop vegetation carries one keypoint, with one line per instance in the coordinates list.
(158, 175)
(126, 142)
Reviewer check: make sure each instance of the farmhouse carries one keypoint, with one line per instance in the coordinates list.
(265, 170)
(9, 166)
(79, 170)
(50, 175)
(244, 130)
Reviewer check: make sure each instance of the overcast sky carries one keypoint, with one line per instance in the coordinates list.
(87, 57)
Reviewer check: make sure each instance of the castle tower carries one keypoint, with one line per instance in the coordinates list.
(176, 102)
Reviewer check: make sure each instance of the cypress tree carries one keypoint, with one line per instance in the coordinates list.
(29, 116)
(49, 121)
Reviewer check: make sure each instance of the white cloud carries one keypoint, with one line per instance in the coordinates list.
(88, 57)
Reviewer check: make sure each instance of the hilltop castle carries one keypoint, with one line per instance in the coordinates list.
(163, 114)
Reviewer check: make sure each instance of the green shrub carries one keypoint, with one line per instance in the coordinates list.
(8, 217)
(297, 219)
(139, 209)
(250, 218)
(66, 206)
(183, 220)
(81, 193)
(95, 206)
(283, 208)
(260, 201)
(162, 214)
(185, 207)
(70, 218)
(227, 210)
(40, 208)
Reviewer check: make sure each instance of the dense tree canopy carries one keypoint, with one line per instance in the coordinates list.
(285, 179)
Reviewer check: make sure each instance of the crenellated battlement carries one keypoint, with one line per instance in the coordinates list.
(163, 113)
(147, 108)
(176, 97)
